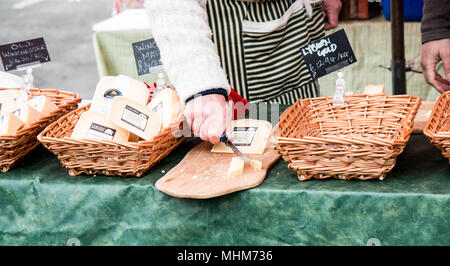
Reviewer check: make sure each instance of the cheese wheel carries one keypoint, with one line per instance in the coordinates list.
(110, 87)
(166, 104)
(236, 167)
(42, 104)
(10, 124)
(27, 114)
(134, 117)
(96, 126)
(248, 135)
(374, 89)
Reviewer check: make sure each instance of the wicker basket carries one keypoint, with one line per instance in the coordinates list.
(12, 148)
(437, 128)
(358, 140)
(105, 157)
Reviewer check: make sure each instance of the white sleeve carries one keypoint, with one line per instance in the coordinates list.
(182, 33)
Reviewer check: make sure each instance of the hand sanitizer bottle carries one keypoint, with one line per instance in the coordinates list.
(338, 99)
(160, 84)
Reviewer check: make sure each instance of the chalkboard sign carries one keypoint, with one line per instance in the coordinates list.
(328, 54)
(23, 54)
(147, 56)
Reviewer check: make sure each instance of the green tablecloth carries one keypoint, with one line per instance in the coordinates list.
(40, 204)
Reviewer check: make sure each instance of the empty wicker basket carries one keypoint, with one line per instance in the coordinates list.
(437, 128)
(360, 139)
(12, 148)
(105, 157)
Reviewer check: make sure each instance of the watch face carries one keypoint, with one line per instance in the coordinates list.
(111, 93)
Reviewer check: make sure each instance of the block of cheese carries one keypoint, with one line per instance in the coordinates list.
(42, 104)
(10, 124)
(236, 167)
(249, 136)
(27, 114)
(110, 87)
(134, 117)
(93, 125)
(167, 105)
(374, 89)
(10, 99)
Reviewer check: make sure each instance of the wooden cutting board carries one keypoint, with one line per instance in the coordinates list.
(203, 174)
(422, 116)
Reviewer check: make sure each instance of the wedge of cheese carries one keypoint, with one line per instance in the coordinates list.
(133, 138)
(11, 99)
(166, 104)
(249, 136)
(27, 114)
(374, 89)
(96, 126)
(236, 167)
(110, 87)
(10, 124)
(134, 117)
(42, 104)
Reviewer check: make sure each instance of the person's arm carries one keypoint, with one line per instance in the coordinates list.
(331, 9)
(190, 59)
(435, 29)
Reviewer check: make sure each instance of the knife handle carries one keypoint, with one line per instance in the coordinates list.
(224, 138)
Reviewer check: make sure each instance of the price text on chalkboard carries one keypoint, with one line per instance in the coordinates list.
(22, 54)
(148, 58)
(328, 54)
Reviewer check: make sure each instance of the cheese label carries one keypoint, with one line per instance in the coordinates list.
(108, 96)
(16, 112)
(158, 109)
(135, 118)
(100, 132)
(243, 136)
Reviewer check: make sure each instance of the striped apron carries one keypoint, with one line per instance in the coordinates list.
(258, 44)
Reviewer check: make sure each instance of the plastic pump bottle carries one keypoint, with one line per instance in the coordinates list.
(338, 99)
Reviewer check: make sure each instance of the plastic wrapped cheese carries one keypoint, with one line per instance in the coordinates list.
(374, 89)
(27, 114)
(110, 87)
(42, 104)
(10, 124)
(134, 117)
(11, 99)
(166, 104)
(249, 136)
(93, 125)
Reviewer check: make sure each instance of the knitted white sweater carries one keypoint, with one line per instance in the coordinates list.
(190, 59)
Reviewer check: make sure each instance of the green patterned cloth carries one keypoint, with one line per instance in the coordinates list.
(370, 40)
(40, 204)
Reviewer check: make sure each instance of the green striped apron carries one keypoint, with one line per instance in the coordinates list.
(258, 44)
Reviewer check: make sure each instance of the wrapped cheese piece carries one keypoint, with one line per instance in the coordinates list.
(134, 117)
(11, 81)
(10, 99)
(374, 89)
(166, 104)
(10, 124)
(42, 104)
(27, 114)
(249, 136)
(110, 87)
(93, 125)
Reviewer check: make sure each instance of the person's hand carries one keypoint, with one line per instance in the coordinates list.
(331, 10)
(209, 116)
(432, 53)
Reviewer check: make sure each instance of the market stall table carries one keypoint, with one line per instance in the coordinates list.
(42, 205)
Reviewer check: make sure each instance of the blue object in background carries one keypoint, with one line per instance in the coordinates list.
(413, 9)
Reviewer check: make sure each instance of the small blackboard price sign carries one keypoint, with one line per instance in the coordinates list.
(328, 54)
(147, 56)
(23, 54)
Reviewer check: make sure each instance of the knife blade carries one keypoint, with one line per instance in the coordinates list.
(224, 139)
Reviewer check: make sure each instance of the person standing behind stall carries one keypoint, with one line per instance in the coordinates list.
(206, 45)
(435, 29)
